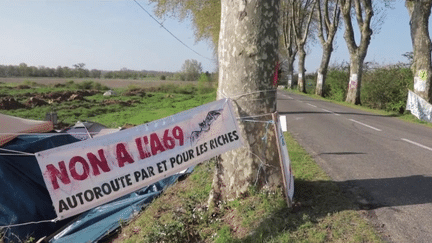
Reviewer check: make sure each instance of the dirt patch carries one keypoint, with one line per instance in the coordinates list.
(33, 101)
(59, 97)
(135, 92)
(76, 97)
(23, 86)
(123, 103)
(9, 103)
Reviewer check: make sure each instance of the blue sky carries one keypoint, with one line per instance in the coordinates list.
(107, 35)
(110, 35)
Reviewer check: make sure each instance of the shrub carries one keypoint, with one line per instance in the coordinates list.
(70, 83)
(310, 82)
(387, 88)
(203, 78)
(23, 86)
(91, 85)
(29, 83)
(205, 85)
(186, 89)
(99, 86)
(336, 83)
(179, 76)
(84, 85)
(132, 87)
(162, 77)
(59, 85)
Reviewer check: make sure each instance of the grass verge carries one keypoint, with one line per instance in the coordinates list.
(406, 116)
(322, 213)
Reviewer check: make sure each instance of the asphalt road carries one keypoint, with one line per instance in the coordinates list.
(386, 161)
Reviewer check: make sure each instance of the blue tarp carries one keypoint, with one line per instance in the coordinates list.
(96, 223)
(24, 198)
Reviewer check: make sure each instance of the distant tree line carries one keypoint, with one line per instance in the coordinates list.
(191, 71)
(77, 71)
(23, 70)
(125, 73)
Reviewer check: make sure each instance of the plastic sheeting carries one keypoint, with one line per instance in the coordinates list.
(11, 126)
(24, 198)
(23, 195)
(94, 224)
(419, 107)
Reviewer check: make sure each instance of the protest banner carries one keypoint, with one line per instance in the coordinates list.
(419, 107)
(83, 175)
(287, 175)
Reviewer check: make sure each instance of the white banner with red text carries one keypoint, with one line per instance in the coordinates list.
(83, 175)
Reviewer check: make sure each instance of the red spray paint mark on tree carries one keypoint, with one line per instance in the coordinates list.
(276, 74)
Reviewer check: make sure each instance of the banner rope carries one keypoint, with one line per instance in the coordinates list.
(49, 134)
(6, 154)
(255, 116)
(262, 163)
(88, 132)
(28, 223)
(244, 94)
(17, 152)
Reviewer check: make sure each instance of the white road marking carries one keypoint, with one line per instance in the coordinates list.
(336, 114)
(417, 144)
(312, 105)
(366, 125)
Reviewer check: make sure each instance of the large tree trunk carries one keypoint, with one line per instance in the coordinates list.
(248, 45)
(419, 12)
(354, 85)
(302, 13)
(322, 71)
(288, 40)
(290, 71)
(364, 13)
(301, 69)
(328, 25)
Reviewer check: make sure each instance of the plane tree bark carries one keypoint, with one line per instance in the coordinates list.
(302, 12)
(328, 20)
(288, 41)
(419, 12)
(248, 55)
(363, 12)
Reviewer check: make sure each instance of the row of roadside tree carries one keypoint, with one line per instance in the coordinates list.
(301, 21)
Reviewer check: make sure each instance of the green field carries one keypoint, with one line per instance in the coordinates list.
(133, 105)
